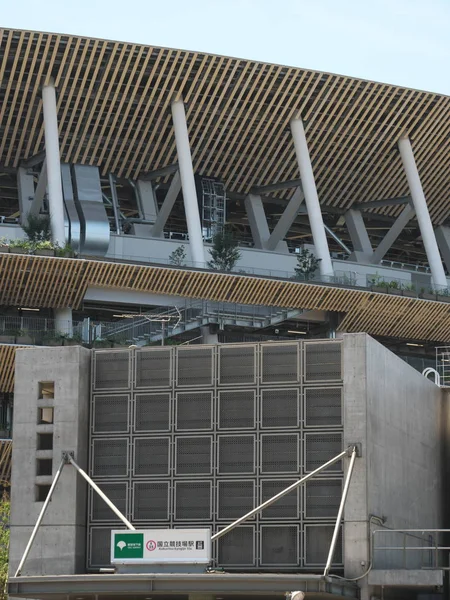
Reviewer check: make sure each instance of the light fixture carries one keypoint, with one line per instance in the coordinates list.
(31, 309)
(297, 331)
(412, 344)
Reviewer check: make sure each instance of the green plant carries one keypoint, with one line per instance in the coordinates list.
(5, 507)
(394, 285)
(409, 287)
(376, 280)
(64, 251)
(224, 252)
(4, 241)
(307, 264)
(24, 244)
(44, 245)
(37, 228)
(178, 257)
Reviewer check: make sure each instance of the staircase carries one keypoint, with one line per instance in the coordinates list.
(170, 322)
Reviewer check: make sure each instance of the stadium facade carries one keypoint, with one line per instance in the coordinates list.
(135, 153)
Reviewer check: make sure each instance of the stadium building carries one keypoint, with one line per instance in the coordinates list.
(139, 156)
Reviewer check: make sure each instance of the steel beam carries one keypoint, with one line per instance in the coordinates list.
(362, 248)
(275, 187)
(163, 172)
(442, 234)
(33, 160)
(166, 208)
(386, 243)
(285, 221)
(381, 203)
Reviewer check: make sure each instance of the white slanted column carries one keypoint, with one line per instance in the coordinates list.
(362, 248)
(287, 218)
(423, 216)
(311, 197)
(386, 243)
(443, 239)
(54, 185)
(188, 182)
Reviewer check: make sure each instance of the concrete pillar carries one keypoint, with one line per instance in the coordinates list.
(311, 197)
(25, 185)
(55, 194)
(386, 243)
(209, 335)
(63, 320)
(166, 208)
(423, 216)
(188, 183)
(443, 239)
(287, 218)
(362, 248)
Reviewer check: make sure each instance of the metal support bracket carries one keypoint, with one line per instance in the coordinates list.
(358, 447)
(66, 455)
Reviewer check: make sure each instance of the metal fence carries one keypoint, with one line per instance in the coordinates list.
(410, 548)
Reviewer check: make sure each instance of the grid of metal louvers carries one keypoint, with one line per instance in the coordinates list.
(197, 436)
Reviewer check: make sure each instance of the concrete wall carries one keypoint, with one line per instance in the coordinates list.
(397, 415)
(60, 544)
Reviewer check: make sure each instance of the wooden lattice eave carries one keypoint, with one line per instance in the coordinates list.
(114, 112)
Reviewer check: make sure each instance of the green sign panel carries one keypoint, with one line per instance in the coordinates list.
(128, 545)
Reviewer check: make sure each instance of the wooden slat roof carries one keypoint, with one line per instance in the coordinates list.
(114, 112)
(39, 281)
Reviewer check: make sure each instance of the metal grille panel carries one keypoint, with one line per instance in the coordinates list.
(151, 456)
(323, 407)
(279, 453)
(203, 434)
(236, 454)
(322, 498)
(194, 410)
(152, 412)
(280, 363)
(151, 501)
(110, 414)
(117, 493)
(320, 448)
(286, 507)
(237, 409)
(237, 364)
(110, 458)
(317, 545)
(112, 370)
(280, 408)
(194, 366)
(193, 500)
(100, 546)
(235, 498)
(279, 545)
(153, 368)
(322, 361)
(193, 455)
(237, 548)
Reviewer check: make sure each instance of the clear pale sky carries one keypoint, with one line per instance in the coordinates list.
(404, 42)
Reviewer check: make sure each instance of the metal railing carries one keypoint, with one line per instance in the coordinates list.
(410, 549)
(443, 364)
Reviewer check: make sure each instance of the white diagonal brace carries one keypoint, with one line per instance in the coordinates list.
(286, 219)
(166, 208)
(386, 243)
(362, 248)
(257, 220)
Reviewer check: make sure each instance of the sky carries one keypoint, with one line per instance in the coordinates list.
(403, 42)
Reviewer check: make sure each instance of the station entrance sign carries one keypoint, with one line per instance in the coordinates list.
(161, 546)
